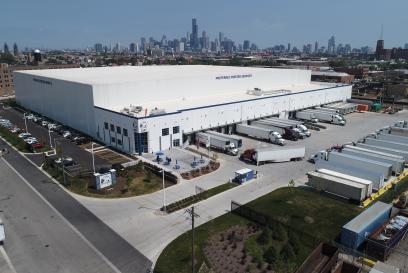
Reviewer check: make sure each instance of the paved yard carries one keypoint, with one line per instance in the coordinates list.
(136, 219)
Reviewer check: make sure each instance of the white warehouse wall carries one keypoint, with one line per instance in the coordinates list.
(70, 103)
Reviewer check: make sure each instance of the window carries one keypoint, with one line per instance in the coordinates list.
(176, 142)
(106, 126)
(118, 130)
(165, 132)
(125, 133)
(112, 127)
(176, 129)
(119, 142)
(113, 140)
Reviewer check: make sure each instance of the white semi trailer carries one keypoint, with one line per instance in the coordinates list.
(307, 116)
(264, 155)
(234, 139)
(260, 133)
(297, 124)
(327, 117)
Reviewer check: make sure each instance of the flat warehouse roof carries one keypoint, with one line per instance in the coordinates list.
(126, 74)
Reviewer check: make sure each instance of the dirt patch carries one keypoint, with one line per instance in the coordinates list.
(225, 252)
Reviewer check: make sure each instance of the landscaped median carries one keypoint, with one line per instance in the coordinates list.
(140, 179)
(188, 201)
(273, 233)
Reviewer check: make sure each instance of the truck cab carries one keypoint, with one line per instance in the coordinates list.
(304, 130)
(322, 155)
(277, 138)
(299, 133)
(338, 119)
(232, 150)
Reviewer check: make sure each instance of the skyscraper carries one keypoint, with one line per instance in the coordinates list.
(316, 47)
(331, 46)
(15, 50)
(142, 43)
(289, 47)
(194, 35)
(246, 45)
(6, 48)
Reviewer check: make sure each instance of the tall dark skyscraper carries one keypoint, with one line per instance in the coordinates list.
(194, 35)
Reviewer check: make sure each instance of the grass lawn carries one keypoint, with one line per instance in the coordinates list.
(199, 197)
(324, 217)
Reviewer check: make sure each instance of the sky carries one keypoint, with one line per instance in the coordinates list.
(80, 23)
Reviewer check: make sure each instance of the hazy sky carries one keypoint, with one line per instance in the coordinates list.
(80, 23)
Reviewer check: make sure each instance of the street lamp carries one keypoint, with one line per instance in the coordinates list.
(164, 193)
(25, 122)
(49, 134)
(93, 157)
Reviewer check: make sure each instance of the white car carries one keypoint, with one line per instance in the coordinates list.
(66, 134)
(44, 123)
(15, 130)
(31, 140)
(51, 126)
(24, 135)
(30, 117)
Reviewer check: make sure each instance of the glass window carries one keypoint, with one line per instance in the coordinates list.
(165, 132)
(118, 130)
(125, 133)
(119, 142)
(112, 127)
(113, 140)
(176, 142)
(106, 126)
(176, 129)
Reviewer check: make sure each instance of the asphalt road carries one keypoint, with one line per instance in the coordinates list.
(81, 156)
(38, 237)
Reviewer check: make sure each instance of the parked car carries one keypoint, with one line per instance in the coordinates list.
(37, 145)
(24, 135)
(30, 117)
(37, 119)
(51, 126)
(66, 134)
(31, 140)
(15, 130)
(67, 161)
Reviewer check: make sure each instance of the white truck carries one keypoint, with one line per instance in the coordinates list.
(260, 133)
(234, 139)
(306, 116)
(283, 123)
(217, 142)
(298, 124)
(327, 117)
(264, 155)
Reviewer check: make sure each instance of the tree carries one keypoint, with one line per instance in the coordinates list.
(291, 183)
(264, 237)
(288, 252)
(271, 255)
(294, 242)
(279, 233)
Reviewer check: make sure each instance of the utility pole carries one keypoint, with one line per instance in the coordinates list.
(25, 122)
(192, 215)
(164, 192)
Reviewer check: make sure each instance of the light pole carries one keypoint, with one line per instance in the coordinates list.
(25, 122)
(164, 193)
(93, 157)
(49, 134)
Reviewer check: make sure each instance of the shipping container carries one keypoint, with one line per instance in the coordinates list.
(354, 233)
(338, 186)
(397, 164)
(322, 260)
(385, 150)
(374, 176)
(361, 163)
(387, 144)
(367, 183)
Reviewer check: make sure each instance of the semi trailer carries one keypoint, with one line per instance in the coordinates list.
(260, 133)
(338, 186)
(284, 124)
(217, 142)
(387, 144)
(404, 154)
(327, 117)
(265, 155)
(307, 116)
(285, 132)
(297, 124)
(234, 139)
(390, 137)
(401, 131)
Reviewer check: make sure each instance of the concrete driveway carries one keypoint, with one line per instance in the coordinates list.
(136, 219)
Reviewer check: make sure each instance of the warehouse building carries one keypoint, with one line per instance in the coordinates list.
(150, 108)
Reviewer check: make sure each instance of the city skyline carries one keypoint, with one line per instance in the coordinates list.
(267, 25)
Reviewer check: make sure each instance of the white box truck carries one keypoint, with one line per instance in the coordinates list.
(216, 142)
(260, 133)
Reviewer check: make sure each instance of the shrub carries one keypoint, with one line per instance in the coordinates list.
(271, 255)
(264, 237)
(288, 252)
(294, 242)
(279, 233)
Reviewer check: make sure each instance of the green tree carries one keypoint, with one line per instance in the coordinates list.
(288, 252)
(295, 242)
(279, 233)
